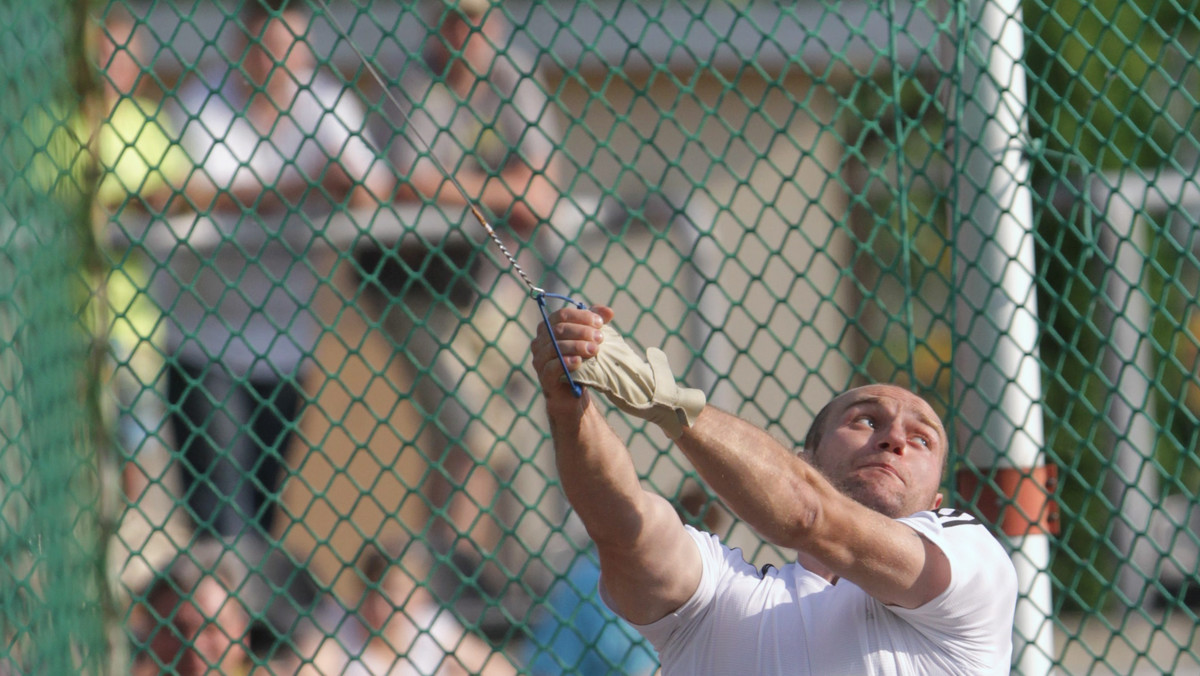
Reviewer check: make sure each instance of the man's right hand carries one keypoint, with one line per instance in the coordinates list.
(599, 357)
(579, 337)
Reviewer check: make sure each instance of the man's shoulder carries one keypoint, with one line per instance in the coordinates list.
(965, 538)
(953, 525)
(712, 547)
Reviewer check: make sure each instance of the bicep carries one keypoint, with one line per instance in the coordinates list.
(656, 572)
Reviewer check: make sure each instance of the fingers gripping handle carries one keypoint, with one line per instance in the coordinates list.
(541, 297)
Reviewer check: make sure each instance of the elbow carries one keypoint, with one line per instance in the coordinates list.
(614, 534)
(798, 529)
(618, 525)
(798, 518)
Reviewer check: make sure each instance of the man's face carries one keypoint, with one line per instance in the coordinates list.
(203, 634)
(275, 49)
(467, 33)
(884, 447)
(117, 53)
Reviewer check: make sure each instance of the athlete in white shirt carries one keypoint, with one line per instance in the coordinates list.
(885, 582)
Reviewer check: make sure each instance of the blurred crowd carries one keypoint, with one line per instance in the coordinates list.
(255, 153)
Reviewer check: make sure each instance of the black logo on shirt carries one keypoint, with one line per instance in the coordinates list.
(955, 517)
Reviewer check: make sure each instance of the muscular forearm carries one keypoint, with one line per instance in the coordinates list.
(598, 476)
(764, 483)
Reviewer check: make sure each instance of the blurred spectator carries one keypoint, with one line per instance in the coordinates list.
(486, 116)
(279, 147)
(298, 628)
(140, 162)
(141, 166)
(188, 621)
(410, 633)
(480, 106)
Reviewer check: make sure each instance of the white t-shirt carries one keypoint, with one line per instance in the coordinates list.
(791, 621)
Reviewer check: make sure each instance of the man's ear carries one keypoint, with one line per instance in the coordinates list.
(937, 500)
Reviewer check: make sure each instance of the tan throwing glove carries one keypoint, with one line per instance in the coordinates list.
(641, 387)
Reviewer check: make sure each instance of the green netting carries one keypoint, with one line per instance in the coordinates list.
(315, 358)
(52, 519)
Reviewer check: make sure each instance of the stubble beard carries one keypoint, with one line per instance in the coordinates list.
(868, 494)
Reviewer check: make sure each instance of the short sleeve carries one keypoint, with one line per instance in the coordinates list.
(983, 584)
(716, 560)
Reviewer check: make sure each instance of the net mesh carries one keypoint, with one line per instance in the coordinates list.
(263, 381)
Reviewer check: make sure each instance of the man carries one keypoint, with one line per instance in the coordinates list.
(279, 147)
(140, 168)
(486, 117)
(884, 583)
(188, 620)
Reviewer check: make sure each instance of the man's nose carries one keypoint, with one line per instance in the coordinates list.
(891, 438)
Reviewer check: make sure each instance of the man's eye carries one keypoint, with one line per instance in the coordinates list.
(865, 420)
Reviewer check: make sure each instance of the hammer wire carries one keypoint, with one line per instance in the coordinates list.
(538, 293)
(416, 133)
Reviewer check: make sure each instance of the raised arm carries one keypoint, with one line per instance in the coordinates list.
(649, 565)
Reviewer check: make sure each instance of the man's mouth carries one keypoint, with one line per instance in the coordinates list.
(884, 467)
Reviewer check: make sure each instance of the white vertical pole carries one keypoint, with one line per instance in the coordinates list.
(996, 361)
(1127, 361)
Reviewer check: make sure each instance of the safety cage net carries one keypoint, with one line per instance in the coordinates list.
(270, 273)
